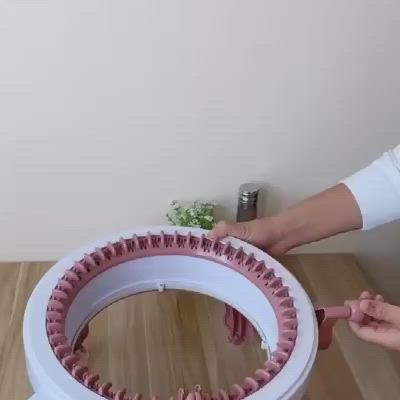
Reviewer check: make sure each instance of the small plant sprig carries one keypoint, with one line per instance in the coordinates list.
(198, 215)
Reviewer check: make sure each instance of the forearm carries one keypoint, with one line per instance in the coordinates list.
(326, 214)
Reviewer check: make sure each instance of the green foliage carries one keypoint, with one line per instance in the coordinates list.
(198, 215)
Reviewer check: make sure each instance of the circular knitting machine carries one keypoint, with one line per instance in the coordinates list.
(249, 281)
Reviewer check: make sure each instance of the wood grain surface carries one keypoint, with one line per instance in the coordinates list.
(155, 343)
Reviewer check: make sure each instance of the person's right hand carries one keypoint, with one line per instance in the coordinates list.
(264, 233)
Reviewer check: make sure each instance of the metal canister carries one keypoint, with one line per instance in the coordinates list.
(247, 208)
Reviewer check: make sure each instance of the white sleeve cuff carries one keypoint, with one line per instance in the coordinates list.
(376, 189)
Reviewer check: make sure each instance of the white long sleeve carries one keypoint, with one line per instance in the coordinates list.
(376, 189)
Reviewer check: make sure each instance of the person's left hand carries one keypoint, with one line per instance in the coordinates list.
(383, 328)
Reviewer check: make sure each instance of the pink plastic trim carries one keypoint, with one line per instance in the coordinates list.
(238, 326)
(91, 265)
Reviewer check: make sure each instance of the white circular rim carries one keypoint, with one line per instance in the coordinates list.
(49, 376)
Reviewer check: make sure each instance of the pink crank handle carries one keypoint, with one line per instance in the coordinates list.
(327, 316)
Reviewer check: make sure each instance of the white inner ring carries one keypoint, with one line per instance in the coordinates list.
(175, 272)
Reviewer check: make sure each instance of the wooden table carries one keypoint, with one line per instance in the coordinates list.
(156, 343)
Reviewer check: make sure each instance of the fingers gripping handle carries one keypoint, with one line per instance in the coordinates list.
(327, 316)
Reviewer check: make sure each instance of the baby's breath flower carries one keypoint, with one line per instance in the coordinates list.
(199, 215)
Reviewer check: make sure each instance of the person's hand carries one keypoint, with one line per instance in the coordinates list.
(383, 328)
(264, 233)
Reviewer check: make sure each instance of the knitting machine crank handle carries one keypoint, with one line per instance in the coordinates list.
(327, 316)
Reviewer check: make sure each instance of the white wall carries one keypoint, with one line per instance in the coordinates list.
(109, 109)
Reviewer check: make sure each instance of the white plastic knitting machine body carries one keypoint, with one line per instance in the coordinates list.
(52, 381)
